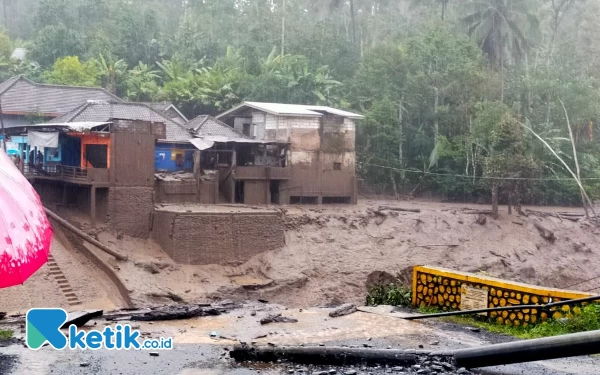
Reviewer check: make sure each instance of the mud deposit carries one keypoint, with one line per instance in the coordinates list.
(330, 251)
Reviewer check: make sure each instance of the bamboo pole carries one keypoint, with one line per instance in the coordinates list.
(585, 196)
(84, 236)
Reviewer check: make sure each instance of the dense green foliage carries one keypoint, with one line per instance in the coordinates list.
(5, 334)
(444, 84)
(588, 320)
(390, 294)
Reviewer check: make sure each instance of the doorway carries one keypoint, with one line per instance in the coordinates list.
(239, 192)
(274, 192)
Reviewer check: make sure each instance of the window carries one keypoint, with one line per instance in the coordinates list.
(247, 129)
(337, 166)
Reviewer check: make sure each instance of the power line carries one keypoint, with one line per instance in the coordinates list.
(478, 177)
(584, 281)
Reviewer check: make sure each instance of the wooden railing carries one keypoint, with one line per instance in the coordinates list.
(262, 173)
(68, 173)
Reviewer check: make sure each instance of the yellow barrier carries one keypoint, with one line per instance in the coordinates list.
(453, 290)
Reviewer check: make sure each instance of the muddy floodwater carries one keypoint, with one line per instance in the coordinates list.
(202, 345)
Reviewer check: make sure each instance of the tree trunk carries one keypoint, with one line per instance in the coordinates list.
(283, 28)
(510, 203)
(577, 169)
(393, 179)
(444, 5)
(528, 83)
(502, 76)
(353, 18)
(401, 136)
(436, 127)
(5, 17)
(495, 199)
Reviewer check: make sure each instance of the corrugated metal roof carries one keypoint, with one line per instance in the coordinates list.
(299, 110)
(106, 111)
(22, 96)
(79, 127)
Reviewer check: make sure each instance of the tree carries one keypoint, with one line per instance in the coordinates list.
(53, 12)
(503, 29)
(70, 71)
(141, 83)
(442, 3)
(559, 9)
(6, 47)
(507, 165)
(138, 33)
(112, 73)
(56, 41)
(204, 91)
(291, 79)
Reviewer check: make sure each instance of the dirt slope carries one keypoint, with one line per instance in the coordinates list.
(330, 252)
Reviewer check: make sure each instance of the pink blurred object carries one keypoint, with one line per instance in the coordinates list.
(25, 232)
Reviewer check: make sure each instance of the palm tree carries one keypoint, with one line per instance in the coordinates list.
(141, 83)
(112, 72)
(502, 28)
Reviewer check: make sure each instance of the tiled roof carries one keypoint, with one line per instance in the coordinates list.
(207, 126)
(164, 108)
(21, 96)
(106, 111)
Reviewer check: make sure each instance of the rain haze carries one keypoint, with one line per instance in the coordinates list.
(295, 186)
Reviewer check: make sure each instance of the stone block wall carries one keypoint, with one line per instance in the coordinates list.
(443, 288)
(130, 210)
(217, 238)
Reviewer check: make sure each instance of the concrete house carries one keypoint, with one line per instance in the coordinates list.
(320, 150)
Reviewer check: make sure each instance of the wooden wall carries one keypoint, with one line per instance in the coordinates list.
(132, 153)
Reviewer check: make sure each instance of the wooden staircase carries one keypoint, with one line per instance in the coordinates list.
(63, 283)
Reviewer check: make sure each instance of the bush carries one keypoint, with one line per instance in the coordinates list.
(5, 335)
(390, 294)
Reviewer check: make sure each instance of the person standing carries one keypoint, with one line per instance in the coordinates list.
(40, 159)
(31, 161)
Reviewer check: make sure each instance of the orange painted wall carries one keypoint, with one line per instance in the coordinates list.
(92, 139)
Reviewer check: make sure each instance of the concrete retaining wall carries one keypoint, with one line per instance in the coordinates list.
(216, 238)
(443, 288)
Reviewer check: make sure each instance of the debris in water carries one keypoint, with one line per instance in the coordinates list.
(345, 309)
(277, 318)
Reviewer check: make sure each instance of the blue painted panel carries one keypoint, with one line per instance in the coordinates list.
(53, 155)
(173, 158)
(70, 148)
(18, 139)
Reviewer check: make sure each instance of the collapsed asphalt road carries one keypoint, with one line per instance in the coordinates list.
(202, 345)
